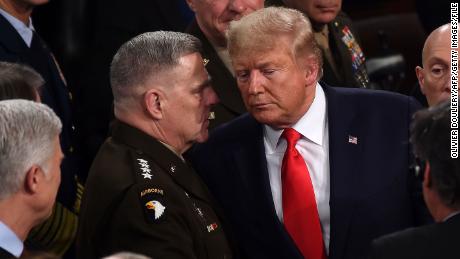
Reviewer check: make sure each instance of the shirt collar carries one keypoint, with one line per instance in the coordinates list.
(25, 31)
(10, 241)
(311, 124)
(172, 149)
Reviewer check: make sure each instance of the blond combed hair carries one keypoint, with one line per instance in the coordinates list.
(263, 28)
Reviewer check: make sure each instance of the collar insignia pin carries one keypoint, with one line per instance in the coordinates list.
(352, 140)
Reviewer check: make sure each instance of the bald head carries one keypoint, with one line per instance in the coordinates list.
(438, 39)
(434, 76)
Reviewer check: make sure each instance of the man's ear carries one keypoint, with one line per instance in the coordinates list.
(312, 69)
(421, 78)
(32, 180)
(154, 103)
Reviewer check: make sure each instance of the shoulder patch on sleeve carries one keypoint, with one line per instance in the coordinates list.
(153, 204)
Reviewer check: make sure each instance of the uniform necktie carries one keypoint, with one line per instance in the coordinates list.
(322, 38)
(300, 212)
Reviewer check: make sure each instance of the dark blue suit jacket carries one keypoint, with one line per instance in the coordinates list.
(371, 191)
(54, 93)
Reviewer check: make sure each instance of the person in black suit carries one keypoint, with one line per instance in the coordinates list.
(352, 171)
(431, 138)
(20, 43)
(140, 195)
(211, 22)
(30, 171)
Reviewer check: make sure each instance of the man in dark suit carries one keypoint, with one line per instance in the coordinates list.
(211, 22)
(140, 195)
(344, 60)
(20, 43)
(29, 172)
(350, 182)
(430, 136)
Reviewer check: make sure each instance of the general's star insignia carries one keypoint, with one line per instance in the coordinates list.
(147, 175)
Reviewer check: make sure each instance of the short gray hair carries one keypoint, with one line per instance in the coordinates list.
(18, 81)
(262, 28)
(147, 56)
(27, 133)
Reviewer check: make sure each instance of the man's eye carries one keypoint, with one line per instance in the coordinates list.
(437, 70)
(268, 72)
(242, 76)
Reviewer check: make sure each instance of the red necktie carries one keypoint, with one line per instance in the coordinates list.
(299, 204)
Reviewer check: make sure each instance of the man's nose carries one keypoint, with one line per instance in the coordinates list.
(238, 6)
(255, 83)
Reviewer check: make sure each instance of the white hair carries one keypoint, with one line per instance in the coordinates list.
(27, 133)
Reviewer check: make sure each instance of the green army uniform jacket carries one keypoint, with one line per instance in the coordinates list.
(141, 197)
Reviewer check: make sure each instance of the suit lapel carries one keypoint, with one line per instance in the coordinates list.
(345, 147)
(10, 38)
(251, 164)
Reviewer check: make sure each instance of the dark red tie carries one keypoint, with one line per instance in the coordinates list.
(299, 204)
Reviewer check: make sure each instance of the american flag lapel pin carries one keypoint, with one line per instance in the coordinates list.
(352, 139)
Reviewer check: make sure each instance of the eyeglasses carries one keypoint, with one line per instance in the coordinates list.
(418, 169)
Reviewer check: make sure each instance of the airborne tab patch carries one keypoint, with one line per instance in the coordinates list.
(153, 203)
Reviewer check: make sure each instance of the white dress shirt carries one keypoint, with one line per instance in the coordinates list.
(9, 241)
(314, 148)
(25, 31)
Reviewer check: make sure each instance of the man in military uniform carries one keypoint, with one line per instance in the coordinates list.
(343, 59)
(140, 195)
(212, 19)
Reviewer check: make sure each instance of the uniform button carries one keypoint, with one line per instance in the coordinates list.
(73, 127)
(71, 149)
